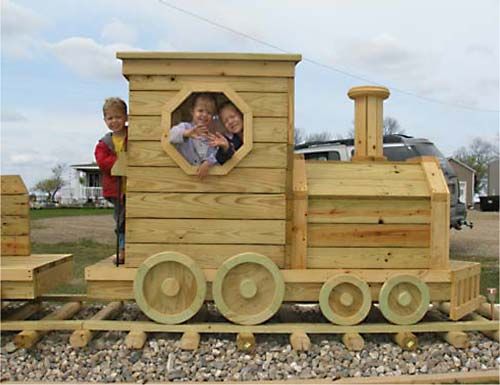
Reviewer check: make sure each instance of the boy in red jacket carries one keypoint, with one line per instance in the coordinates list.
(115, 117)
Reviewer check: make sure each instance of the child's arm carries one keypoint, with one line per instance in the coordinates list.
(104, 157)
(207, 163)
(177, 133)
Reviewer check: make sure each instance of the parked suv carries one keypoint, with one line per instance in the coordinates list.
(396, 148)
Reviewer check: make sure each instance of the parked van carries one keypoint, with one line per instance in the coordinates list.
(396, 148)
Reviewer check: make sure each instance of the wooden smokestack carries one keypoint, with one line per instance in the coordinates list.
(368, 121)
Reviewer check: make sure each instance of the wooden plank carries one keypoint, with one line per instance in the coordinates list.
(264, 129)
(360, 126)
(208, 68)
(364, 170)
(223, 327)
(50, 278)
(368, 211)
(363, 235)
(237, 83)
(206, 256)
(224, 56)
(151, 154)
(17, 290)
(294, 292)
(169, 179)
(15, 245)
(368, 257)
(35, 261)
(12, 185)
(206, 231)
(206, 205)
(15, 225)
(367, 188)
(472, 377)
(298, 255)
(16, 205)
(262, 104)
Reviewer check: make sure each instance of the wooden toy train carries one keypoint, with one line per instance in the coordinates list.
(267, 227)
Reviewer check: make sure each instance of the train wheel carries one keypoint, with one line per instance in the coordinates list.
(169, 287)
(345, 299)
(248, 288)
(404, 299)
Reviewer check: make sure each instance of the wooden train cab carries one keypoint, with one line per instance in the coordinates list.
(25, 275)
(268, 227)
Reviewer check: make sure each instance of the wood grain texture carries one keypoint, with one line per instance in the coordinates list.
(151, 154)
(16, 245)
(205, 255)
(15, 205)
(206, 231)
(12, 185)
(392, 171)
(15, 225)
(264, 129)
(262, 104)
(207, 205)
(218, 68)
(368, 211)
(169, 179)
(362, 235)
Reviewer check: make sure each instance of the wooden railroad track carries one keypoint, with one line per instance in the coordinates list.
(31, 331)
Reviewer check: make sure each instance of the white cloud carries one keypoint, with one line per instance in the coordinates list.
(20, 29)
(12, 116)
(89, 59)
(119, 32)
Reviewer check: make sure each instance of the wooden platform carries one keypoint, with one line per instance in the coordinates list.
(28, 277)
(105, 281)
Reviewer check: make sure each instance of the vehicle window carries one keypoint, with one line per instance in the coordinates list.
(399, 153)
(316, 155)
(424, 149)
(333, 155)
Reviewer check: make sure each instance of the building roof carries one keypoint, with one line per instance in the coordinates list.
(85, 167)
(462, 164)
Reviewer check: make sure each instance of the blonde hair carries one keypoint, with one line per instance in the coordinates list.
(111, 103)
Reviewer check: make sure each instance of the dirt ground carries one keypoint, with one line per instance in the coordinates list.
(99, 228)
(480, 241)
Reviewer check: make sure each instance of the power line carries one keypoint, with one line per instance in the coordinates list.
(319, 64)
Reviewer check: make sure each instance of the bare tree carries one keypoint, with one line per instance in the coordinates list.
(298, 135)
(319, 136)
(53, 184)
(477, 156)
(392, 126)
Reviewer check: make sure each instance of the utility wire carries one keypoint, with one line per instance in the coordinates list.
(319, 64)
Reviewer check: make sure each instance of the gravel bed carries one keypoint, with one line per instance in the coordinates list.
(107, 359)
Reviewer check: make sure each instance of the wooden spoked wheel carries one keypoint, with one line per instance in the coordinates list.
(248, 288)
(345, 300)
(169, 287)
(404, 299)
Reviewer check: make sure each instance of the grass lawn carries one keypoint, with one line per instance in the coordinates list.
(68, 212)
(85, 252)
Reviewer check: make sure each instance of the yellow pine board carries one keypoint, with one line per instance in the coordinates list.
(335, 170)
(240, 180)
(216, 206)
(219, 68)
(206, 231)
(205, 256)
(265, 129)
(21, 268)
(15, 245)
(368, 235)
(368, 257)
(263, 155)
(367, 188)
(368, 211)
(261, 104)
(12, 185)
(204, 56)
(15, 225)
(238, 84)
(15, 205)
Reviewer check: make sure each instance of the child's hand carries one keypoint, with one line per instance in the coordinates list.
(198, 131)
(218, 140)
(203, 170)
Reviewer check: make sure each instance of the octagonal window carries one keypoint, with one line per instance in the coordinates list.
(207, 130)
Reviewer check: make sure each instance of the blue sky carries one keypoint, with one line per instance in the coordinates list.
(58, 64)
